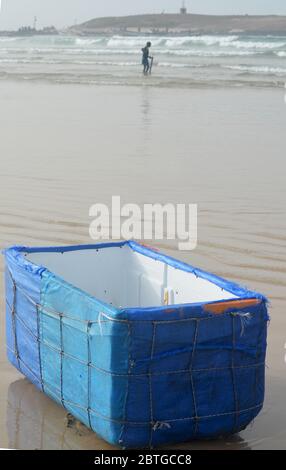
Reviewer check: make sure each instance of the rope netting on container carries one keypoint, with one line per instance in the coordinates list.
(193, 348)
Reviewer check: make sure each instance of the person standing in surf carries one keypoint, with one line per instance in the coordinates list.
(146, 57)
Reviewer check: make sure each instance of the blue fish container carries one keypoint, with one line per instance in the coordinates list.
(141, 348)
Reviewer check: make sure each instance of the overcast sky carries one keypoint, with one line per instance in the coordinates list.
(64, 12)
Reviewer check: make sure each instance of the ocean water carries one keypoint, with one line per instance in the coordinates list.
(229, 60)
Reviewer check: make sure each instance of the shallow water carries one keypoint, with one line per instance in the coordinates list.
(217, 60)
(64, 148)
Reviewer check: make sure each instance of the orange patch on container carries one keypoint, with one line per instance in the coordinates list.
(170, 310)
(222, 307)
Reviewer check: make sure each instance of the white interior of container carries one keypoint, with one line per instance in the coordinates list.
(124, 278)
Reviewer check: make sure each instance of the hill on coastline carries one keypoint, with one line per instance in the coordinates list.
(182, 24)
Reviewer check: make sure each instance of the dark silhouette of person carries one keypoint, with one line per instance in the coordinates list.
(146, 57)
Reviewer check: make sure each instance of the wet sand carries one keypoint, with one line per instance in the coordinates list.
(64, 148)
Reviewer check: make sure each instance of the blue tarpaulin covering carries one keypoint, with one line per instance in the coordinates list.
(138, 376)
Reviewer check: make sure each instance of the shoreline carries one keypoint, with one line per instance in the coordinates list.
(138, 82)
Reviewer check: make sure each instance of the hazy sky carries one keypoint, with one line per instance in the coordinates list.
(64, 12)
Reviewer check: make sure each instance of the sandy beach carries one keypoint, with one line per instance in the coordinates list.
(65, 147)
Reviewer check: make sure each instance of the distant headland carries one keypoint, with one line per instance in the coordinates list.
(167, 24)
(183, 23)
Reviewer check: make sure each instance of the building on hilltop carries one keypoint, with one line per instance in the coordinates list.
(183, 9)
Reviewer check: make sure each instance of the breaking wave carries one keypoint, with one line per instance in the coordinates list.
(258, 69)
(205, 45)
